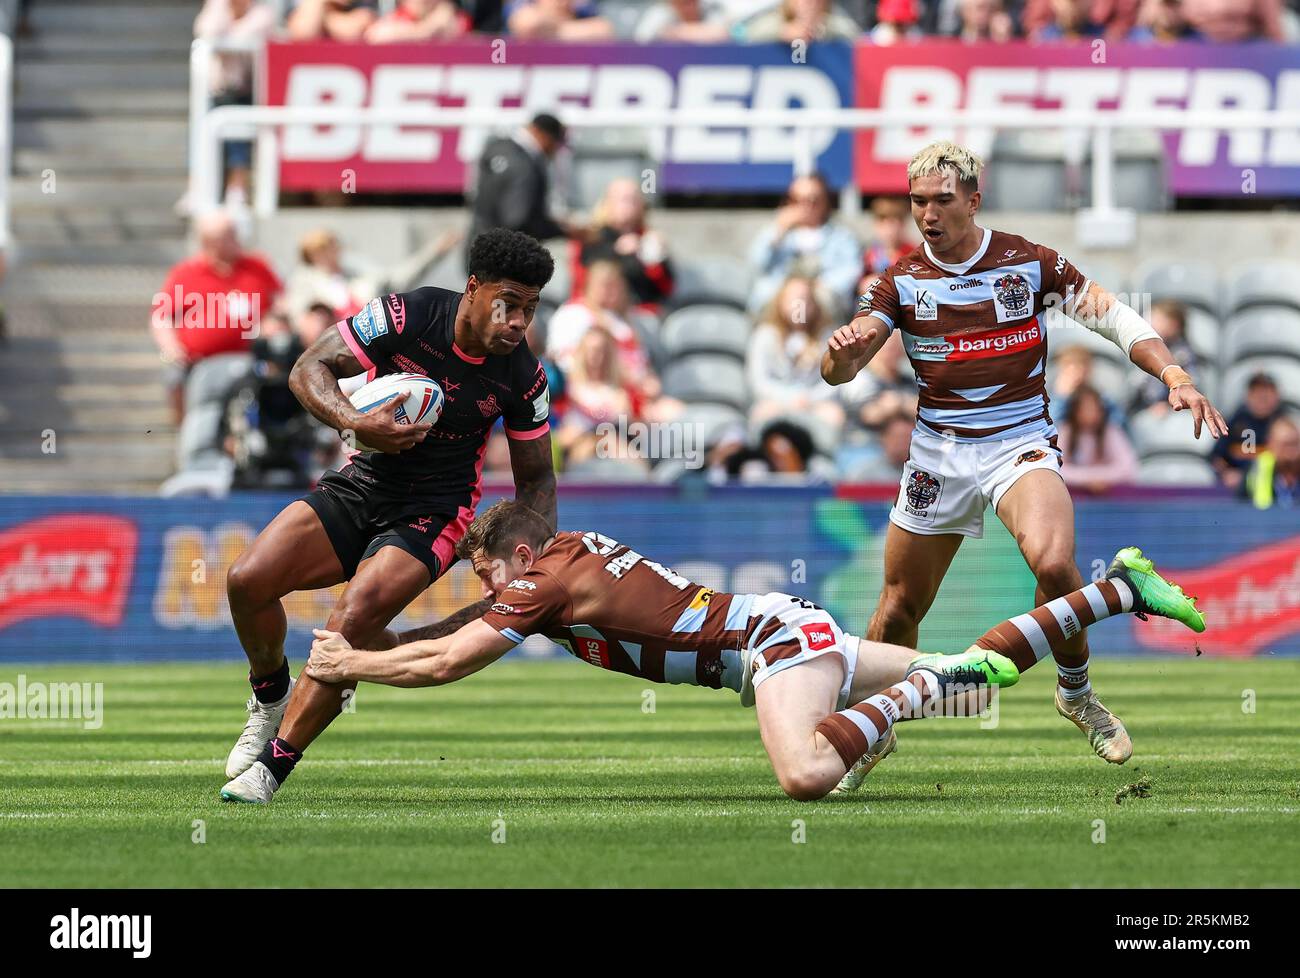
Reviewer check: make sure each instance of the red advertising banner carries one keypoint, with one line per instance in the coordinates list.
(74, 566)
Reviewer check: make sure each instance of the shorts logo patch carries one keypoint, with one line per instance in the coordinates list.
(1012, 297)
(1033, 455)
(927, 309)
(819, 634)
(370, 323)
(922, 491)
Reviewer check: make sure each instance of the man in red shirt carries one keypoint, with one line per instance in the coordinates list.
(211, 303)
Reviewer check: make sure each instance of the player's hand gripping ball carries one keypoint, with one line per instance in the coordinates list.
(395, 402)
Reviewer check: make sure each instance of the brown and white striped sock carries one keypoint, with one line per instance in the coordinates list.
(1027, 638)
(855, 731)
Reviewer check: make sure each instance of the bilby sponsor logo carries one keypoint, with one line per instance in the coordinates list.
(75, 931)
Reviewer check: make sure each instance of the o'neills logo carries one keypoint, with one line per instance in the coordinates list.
(1248, 602)
(77, 566)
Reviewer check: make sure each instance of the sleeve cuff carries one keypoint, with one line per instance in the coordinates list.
(346, 332)
(528, 435)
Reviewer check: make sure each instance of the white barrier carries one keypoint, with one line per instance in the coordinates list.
(6, 132)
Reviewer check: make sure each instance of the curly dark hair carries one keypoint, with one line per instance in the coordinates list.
(501, 253)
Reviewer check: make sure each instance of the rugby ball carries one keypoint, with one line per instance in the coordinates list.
(420, 399)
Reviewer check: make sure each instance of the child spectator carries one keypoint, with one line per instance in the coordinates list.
(1097, 454)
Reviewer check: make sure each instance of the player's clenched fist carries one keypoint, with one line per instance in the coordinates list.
(327, 654)
(379, 430)
(851, 343)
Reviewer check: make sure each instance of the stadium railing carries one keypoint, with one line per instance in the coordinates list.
(6, 132)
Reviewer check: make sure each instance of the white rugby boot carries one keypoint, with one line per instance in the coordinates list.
(855, 775)
(263, 724)
(256, 786)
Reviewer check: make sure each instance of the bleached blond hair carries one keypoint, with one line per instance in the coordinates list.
(947, 155)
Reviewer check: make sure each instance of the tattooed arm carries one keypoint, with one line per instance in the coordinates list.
(314, 380)
(530, 459)
(448, 626)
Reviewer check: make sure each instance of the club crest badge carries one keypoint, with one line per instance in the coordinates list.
(1012, 297)
(922, 490)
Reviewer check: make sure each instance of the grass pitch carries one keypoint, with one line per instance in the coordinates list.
(586, 788)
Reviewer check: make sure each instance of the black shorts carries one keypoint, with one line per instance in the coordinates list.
(360, 519)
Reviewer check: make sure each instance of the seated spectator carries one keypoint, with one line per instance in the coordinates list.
(896, 20)
(798, 20)
(889, 241)
(1071, 21)
(1169, 319)
(1162, 22)
(1247, 430)
(784, 453)
(321, 277)
(684, 21)
(419, 20)
(561, 20)
(1114, 18)
(783, 364)
(1096, 453)
(895, 448)
(245, 23)
(1274, 478)
(604, 305)
(619, 234)
(883, 389)
(1229, 21)
(212, 302)
(984, 20)
(806, 240)
(312, 324)
(598, 396)
(333, 20)
(1074, 370)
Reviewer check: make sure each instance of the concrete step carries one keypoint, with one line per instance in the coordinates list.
(34, 162)
(161, 255)
(87, 190)
(141, 43)
(127, 76)
(79, 417)
(71, 226)
(96, 135)
(42, 102)
(114, 18)
(76, 283)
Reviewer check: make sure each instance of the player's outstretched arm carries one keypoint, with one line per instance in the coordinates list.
(448, 626)
(1103, 313)
(850, 348)
(428, 663)
(534, 469)
(314, 380)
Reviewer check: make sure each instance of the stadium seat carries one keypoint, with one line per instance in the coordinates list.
(211, 379)
(604, 154)
(1164, 433)
(1176, 470)
(712, 279)
(1203, 333)
(708, 378)
(1027, 172)
(1138, 176)
(705, 329)
(1106, 274)
(1270, 283)
(1262, 331)
(1192, 283)
(1284, 370)
(608, 470)
(649, 331)
(200, 435)
(713, 420)
(1063, 332)
(560, 287)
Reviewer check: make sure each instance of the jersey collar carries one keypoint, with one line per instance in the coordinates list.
(969, 263)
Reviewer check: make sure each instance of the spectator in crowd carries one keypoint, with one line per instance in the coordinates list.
(1229, 21)
(1162, 22)
(312, 324)
(619, 234)
(1169, 320)
(895, 449)
(1097, 455)
(598, 394)
(535, 337)
(805, 240)
(334, 20)
(1073, 369)
(321, 277)
(783, 364)
(1071, 21)
(514, 181)
(211, 302)
(419, 20)
(245, 23)
(889, 241)
(684, 21)
(1078, 18)
(883, 389)
(785, 451)
(984, 20)
(605, 305)
(1247, 430)
(1274, 478)
(560, 20)
(798, 20)
(896, 20)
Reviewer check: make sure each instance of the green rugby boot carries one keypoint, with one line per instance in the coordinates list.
(977, 667)
(1152, 594)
